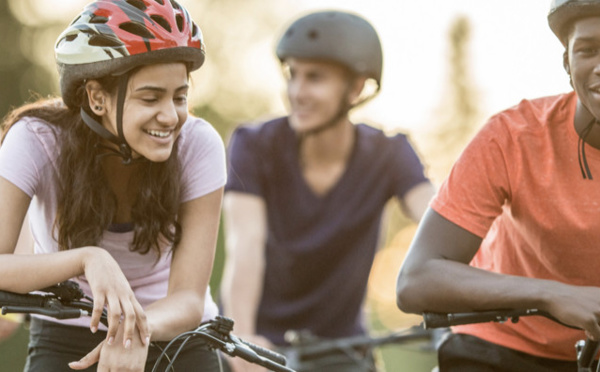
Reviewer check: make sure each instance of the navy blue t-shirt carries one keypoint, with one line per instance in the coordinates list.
(319, 249)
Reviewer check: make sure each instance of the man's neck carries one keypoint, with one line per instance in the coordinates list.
(333, 145)
(583, 118)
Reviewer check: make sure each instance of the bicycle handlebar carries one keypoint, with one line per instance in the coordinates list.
(442, 320)
(67, 301)
(304, 345)
(586, 350)
(49, 304)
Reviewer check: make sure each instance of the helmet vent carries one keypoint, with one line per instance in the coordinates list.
(179, 20)
(161, 2)
(138, 4)
(104, 41)
(161, 21)
(194, 29)
(312, 34)
(98, 19)
(175, 5)
(136, 29)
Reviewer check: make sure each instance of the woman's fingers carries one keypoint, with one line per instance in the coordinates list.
(88, 360)
(129, 321)
(128, 313)
(113, 306)
(142, 323)
(97, 312)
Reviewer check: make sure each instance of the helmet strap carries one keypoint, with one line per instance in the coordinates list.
(583, 164)
(342, 112)
(124, 148)
(97, 127)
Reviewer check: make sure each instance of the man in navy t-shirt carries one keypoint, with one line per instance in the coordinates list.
(306, 192)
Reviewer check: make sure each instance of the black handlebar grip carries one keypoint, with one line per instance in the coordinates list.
(67, 290)
(436, 320)
(266, 353)
(17, 299)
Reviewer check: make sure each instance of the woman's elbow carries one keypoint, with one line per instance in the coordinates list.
(194, 311)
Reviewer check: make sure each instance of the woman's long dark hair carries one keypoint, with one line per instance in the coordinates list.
(86, 203)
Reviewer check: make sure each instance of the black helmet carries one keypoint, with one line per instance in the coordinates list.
(335, 36)
(563, 12)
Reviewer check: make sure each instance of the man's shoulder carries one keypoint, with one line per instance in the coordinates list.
(542, 106)
(263, 133)
(380, 139)
(262, 128)
(535, 114)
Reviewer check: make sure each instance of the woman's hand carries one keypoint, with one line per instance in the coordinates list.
(110, 287)
(120, 356)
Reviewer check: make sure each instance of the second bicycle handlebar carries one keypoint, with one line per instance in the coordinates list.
(586, 350)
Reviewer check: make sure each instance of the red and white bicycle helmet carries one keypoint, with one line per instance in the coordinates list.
(563, 12)
(110, 37)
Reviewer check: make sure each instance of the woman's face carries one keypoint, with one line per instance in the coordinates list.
(154, 111)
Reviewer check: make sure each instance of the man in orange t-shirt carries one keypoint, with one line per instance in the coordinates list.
(517, 223)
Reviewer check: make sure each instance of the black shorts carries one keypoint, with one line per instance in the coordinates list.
(466, 353)
(52, 346)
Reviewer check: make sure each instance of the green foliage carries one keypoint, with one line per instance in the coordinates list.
(458, 115)
(13, 351)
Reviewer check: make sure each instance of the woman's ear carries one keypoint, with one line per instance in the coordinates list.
(96, 97)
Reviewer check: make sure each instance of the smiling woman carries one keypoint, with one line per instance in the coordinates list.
(122, 187)
(155, 109)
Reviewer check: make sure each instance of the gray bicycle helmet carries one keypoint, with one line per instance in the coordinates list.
(563, 12)
(336, 36)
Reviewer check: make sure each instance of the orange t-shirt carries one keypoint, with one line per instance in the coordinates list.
(518, 185)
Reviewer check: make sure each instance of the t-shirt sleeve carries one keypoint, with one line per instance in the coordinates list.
(479, 183)
(202, 156)
(244, 165)
(22, 156)
(409, 170)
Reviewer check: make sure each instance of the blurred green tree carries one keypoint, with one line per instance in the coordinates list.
(458, 116)
(457, 119)
(20, 74)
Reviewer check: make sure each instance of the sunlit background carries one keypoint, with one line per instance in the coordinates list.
(448, 65)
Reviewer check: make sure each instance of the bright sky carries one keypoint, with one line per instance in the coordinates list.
(514, 54)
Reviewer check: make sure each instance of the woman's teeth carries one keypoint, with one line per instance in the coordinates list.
(158, 133)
